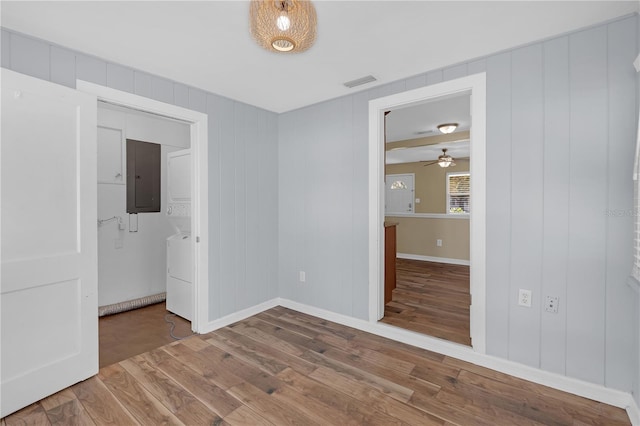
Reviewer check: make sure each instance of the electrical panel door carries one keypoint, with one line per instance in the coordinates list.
(143, 177)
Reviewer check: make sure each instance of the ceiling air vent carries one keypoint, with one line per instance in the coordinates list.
(360, 81)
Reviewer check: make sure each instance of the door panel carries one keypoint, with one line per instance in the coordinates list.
(143, 176)
(110, 155)
(48, 291)
(399, 191)
(26, 195)
(39, 318)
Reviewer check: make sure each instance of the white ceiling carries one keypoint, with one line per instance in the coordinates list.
(406, 123)
(456, 149)
(206, 44)
(422, 120)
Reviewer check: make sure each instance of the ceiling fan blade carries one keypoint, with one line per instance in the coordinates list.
(431, 163)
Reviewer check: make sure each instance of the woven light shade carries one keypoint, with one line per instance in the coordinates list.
(283, 25)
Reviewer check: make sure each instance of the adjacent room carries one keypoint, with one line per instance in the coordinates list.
(427, 211)
(143, 183)
(320, 212)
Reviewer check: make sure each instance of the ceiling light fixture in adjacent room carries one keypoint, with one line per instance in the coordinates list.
(445, 160)
(447, 127)
(283, 25)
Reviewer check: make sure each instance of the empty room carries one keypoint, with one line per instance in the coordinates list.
(320, 212)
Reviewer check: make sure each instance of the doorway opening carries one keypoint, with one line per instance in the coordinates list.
(427, 212)
(473, 88)
(170, 261)
(144, 257)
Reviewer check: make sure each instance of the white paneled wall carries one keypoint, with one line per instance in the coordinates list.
(563, 110)
(288, 193)
(243, 164)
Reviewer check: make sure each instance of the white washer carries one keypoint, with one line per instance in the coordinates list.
(179, 276)
(179, 245)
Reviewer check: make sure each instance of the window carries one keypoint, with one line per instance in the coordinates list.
(398, 185)
(458, 193)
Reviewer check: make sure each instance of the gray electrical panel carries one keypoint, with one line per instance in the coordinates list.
(143, 177)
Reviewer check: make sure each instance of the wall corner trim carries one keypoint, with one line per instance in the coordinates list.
(240, 315)
(633, 411)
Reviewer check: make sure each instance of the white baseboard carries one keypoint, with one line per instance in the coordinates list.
(240, 315)
(633, 411)
(432, 259)
(581, 388)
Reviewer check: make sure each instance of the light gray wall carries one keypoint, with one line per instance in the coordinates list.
(636, 385)
(243, 162)
(298, 183)
(564, 110)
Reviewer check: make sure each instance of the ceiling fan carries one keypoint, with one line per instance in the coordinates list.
(444, 160)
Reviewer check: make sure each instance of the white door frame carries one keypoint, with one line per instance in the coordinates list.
(476, 86)
(199, 183)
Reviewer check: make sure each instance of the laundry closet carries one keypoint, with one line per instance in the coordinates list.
(144, 209)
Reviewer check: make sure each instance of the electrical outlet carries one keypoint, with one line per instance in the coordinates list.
(118, 243)
(439, 243)
(551, 304)
(302, 276)
(524, 298)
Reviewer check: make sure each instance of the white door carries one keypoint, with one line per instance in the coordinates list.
(48, 291)
(399, 194)
(180, 299)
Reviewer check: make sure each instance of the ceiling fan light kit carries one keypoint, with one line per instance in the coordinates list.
(444, 160)
(448, 128)
(283, 25)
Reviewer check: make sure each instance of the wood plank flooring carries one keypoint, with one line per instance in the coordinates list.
(134, 332)
(281, 367)
(431, 298)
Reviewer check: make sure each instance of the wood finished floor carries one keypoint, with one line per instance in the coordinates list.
(431, 298)
(281, 367)
(134, 332)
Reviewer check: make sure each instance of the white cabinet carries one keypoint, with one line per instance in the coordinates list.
(111, 155)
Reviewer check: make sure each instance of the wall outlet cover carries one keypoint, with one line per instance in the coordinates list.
(551, 304)
(524, 298)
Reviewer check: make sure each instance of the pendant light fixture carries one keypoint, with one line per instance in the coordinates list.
(283, 25)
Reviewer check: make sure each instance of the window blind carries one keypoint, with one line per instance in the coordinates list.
(458, 192)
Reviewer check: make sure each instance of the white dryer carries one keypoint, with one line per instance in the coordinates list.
(179, 245)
